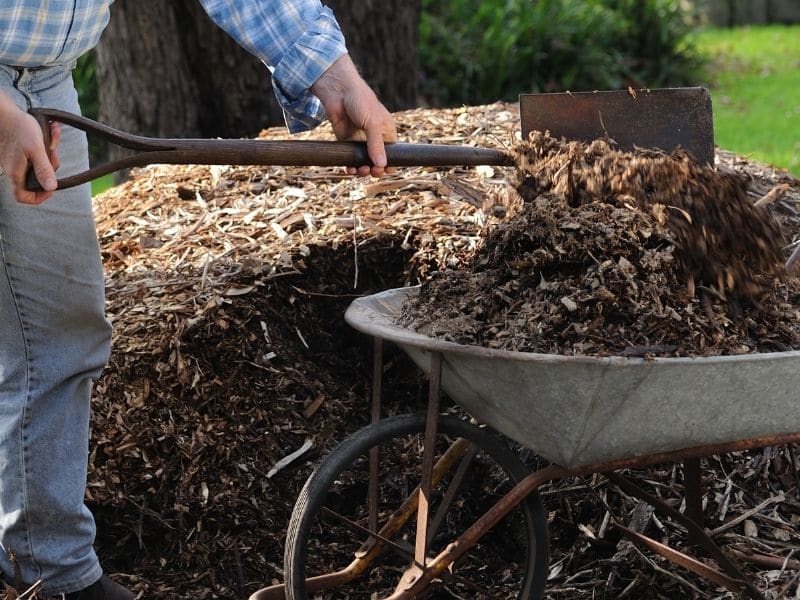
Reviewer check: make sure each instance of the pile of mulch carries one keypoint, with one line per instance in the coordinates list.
(620, 253)
(227, 288)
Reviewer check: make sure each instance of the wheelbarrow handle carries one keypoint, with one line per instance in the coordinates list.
(297, 153)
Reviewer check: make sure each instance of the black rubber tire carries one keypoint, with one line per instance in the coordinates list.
(312, 497)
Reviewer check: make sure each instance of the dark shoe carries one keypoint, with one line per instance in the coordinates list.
(102, 589)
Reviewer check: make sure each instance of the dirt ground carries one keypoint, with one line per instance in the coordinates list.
(227, 288)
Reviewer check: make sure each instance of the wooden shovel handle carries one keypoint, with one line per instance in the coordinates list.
(297, 153)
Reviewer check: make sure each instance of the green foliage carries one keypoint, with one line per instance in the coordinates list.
(657, 44)
(475, 51)
(86, 84)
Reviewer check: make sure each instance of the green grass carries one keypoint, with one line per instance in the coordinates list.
(754, 80)
(101, 184)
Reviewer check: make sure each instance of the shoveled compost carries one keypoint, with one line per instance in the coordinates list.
(619, 253)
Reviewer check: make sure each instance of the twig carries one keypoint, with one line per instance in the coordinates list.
(631, 586)
(734, 522)
(785, 589)
(776, 193)
(676, 577)
(791, 263)
(767, 561)
(726, 498)
(355, 259)
(29, 593)
(290, 458)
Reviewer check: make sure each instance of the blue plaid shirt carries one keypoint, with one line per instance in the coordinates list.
(297, 39)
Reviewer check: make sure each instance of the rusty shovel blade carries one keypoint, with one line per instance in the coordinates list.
(666, 119)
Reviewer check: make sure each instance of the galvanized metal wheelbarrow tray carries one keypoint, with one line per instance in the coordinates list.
(578, 411)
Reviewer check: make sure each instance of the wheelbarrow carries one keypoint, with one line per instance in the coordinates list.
(425, 505)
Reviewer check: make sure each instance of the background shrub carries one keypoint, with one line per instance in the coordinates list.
(480, 51)
(477, 51)
(86, 84)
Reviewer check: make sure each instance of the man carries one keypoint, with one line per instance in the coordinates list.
(54, 338)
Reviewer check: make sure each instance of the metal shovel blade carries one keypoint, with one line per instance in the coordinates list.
(666, 119)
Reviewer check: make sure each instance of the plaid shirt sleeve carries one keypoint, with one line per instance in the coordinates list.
(297, 39)
(38, 33)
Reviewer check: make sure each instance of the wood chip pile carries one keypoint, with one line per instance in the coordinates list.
(227, 289)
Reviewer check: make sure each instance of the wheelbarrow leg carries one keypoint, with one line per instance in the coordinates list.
(377, 394)
(401, 437)
(434, 397)
(693, 493)
(422, 578)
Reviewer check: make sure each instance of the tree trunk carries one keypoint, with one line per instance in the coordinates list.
(382, 38)
(165, 69)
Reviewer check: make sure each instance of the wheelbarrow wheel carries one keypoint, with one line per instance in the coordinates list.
(333, 542)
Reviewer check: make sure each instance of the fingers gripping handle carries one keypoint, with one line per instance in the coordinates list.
(31, 182)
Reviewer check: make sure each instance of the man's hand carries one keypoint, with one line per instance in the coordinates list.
(22, 145)
(356, 113)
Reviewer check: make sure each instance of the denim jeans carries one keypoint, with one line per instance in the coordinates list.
(54, 340)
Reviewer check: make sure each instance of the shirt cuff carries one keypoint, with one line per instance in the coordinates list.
(319, 46)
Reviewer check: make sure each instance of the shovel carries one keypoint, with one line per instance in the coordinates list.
(665, 119)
